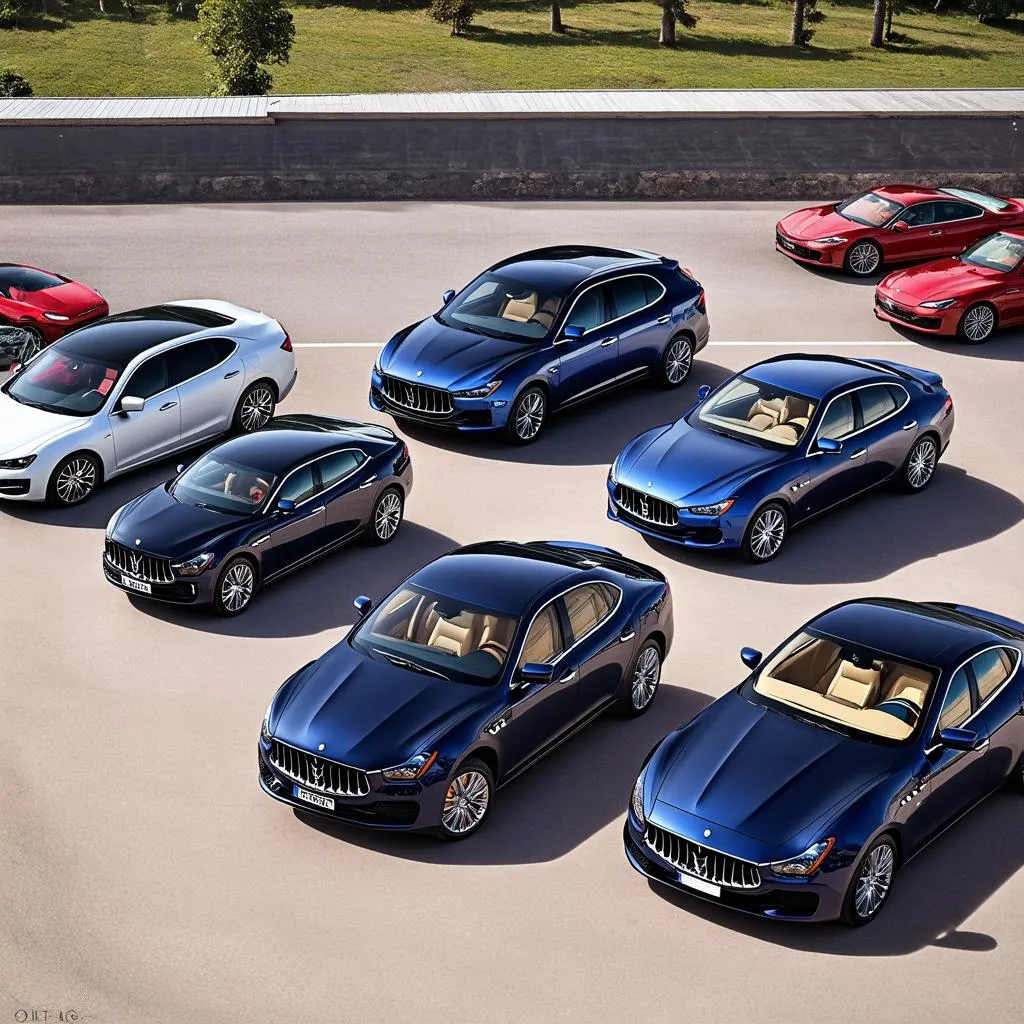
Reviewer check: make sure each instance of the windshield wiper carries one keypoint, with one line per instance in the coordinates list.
(412, 665)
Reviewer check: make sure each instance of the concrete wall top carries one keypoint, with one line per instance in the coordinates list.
(586, 103)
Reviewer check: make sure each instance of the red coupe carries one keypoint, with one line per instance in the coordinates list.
(969, 295)
(45, 306)
(893, 224)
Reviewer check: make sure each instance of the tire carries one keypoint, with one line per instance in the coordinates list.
(919, 465)
(676, 362)
(766, 533)
(255, 408)
(642, 681)
(236, 586)
(860, 907)
(73, 480)
(863, 259)
(32, 345)
(386, 517)
(476, 782)
(527, 416)
(977, 325)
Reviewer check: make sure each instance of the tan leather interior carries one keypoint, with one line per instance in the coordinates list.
(449, 636)
(782, 418)
(909, 683)
(586, 607)
(856, 686)
(246, 485)
(520, 310)
(543, 641)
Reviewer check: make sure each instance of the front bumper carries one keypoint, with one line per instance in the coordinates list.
(27, 484)
(813, 255)
(706, 533)
(927, 321)
(197, 590)
(468, 414)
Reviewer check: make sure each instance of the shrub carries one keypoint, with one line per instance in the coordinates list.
(13, 11)
(457, 13)
(12, 84)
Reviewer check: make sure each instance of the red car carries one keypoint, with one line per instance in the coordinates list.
(969, 295)
(45, 306)
(894, 224)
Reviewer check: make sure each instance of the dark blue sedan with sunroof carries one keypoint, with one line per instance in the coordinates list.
(540, 332)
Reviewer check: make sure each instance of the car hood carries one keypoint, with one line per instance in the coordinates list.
(158, 523)
(24, 429)
(762, 773)
(370, 714)
(446, 357)
(678, 462)
(941, 279)
(68, 299)
(817, 222)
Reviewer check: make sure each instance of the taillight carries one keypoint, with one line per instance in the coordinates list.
(405, 451)
(287, 343)
(948, 407)
(701, 304)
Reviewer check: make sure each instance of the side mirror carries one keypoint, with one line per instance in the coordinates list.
(447, 296)
(534, 672)
(961, 739)
(572, 332)
(901, 225)
(750, 657)
(703, 391)
(285, 506)
(362, 605)
(132, 404)
(828, 445)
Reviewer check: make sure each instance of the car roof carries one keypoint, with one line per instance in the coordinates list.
(815, 376)
(565, 266)
(120, 338)
(926, 634)
(908, 194)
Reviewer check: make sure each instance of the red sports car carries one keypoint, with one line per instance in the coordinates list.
(969, 295)
(894, 224)
(45, 306)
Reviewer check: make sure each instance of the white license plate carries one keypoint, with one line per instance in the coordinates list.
(142, 588)
(316, 799)
(700, 885)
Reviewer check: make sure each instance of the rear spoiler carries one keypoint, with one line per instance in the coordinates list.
(609, 558)
(928, 378)
(989, 620)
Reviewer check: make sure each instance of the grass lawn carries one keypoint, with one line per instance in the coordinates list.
(351, 47)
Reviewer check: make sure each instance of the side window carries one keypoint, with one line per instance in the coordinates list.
(187, 361)
(299, 486)
(838, 420)
(628, 295)
(587, 607)
(589, 311)
(951, 210)
(990, 671)
(544, 641)
(876, 402)
(956, 708)
(339, 465)
(919, 215)
(148, 380)
(222, 348)
(653, 290)
(899, 396)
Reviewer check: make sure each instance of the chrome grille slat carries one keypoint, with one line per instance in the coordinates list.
(647, 507)
(318, 773)
(418, 397)
(701, 861)
(138, 564)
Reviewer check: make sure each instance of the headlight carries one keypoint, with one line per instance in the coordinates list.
(613, 473)
(22, 463)
(376, 365)
(194, 566)
(412, 769)
(637, 800)
(808, 862)
(56, 316)
(265, 730)
(482, 392)
(712, 510)
(831, 240)
(939, 304)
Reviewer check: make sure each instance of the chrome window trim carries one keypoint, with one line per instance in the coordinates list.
(1002, 686)
(556, 338)
(165, 349)
(870, 426)
(309, 462)
(950, 199)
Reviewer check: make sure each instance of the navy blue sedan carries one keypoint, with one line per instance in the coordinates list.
(472, 670)
(258, 507)
(801, 793)
(542, 331)
(777, 445)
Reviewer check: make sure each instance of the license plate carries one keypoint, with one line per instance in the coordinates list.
(142, 588)
(700, 885)
(787, 244)
(316, 799)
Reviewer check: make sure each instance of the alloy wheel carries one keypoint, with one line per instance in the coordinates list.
(466, 802)
(33, 343)
(257, 407)
(76, 480)
(767, 533)
(237, 586)
(864, 259)
(680, 358)
(979, 322)
(529, 415)
(874, 881)
(645, 678)
(921, 464)
(388, 516)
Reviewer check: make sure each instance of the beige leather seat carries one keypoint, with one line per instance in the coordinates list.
(545, 313)
(855, 686)
(520, 310)
(910, 685)
(493, 639)
(449, 636)
(767, 412)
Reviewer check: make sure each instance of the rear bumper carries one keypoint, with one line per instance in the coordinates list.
(286, 390)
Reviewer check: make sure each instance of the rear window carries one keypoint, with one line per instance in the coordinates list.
(990, 203)
(25, 279)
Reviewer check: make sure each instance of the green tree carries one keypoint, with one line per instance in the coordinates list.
(12, 12)
(457, 13)
(805, 12)
(242, 36)
(673, 12)
(995, 10)
(12, 84)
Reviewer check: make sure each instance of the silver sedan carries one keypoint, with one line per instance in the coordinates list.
(134, 388)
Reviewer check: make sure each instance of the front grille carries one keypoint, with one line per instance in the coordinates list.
(646, 507)
(796, 248)
(906, 315)
(418, 397)
(701, 862)
(317, 772)
(138, 564)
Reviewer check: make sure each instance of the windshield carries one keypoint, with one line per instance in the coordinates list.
(751, 411)
(59, 381)
(437, 635)
(999, 252)
(842, 684)
(990, 203)
(224, 485)
(870, 209)
(499, 306)
(25, 279)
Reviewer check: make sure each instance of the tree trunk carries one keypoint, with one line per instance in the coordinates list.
(103, 9)
(556, 17)
(796, 35)
(890, 4)
(878, 23)
(668, 24)
(940, 6)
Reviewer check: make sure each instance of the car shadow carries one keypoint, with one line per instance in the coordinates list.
(555, 806)
(590, 434)
(1005, 345)
(319, 597)
(877, 534)
(835, 276)
(934, 895)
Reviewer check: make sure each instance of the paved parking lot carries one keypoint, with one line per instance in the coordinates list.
(145, 878)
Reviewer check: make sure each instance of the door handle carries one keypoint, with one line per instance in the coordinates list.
(910, 425)
(627, 635)
(983, 745)
(937, 231)
(233, 373)
(664, 319)
(369, 482)
(568, 677)
(858, 453)
(1011, 291)
(608, 341)
(319, 508)
(167, 405)
(552, 369)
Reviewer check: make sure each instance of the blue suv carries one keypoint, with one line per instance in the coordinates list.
(542, 331)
